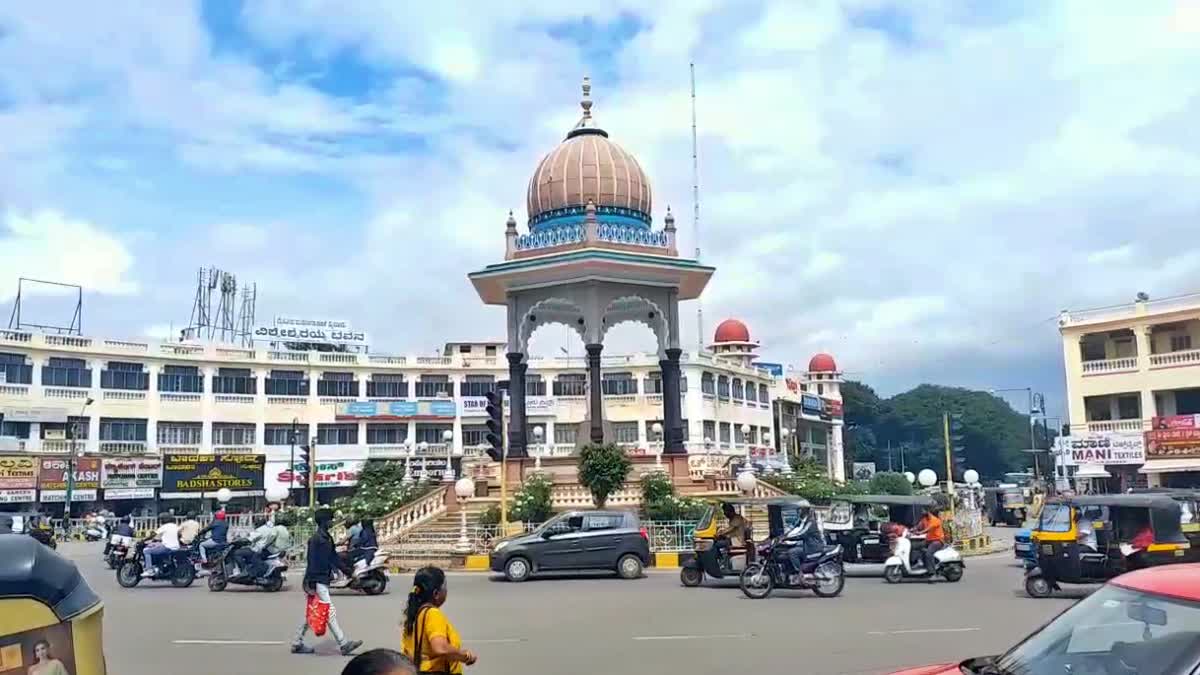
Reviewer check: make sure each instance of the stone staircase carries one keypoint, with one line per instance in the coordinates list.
(436, 542)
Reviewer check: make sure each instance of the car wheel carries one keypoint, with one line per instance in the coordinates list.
(952, 572)
(691, 576)
(893, 574)
(1038, 587)
(629, 566)
(129, 574)
(517, 569)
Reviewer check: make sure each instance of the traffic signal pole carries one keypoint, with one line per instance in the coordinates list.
(949, 461)
(312, 476)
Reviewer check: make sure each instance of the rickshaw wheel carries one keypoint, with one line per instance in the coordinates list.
(1038, 587)
(691, 577)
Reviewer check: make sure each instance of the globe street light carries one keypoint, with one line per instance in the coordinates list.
(224, 495)
(422, 449)
(910, 476)
(408, 452)
(971, 476)
(746, 482)
(464, 489)
(448, 440)
(927, 477)
(538, 435)
(657, 430)
(746, 440)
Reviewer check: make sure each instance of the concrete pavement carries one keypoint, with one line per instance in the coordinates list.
(586, 626)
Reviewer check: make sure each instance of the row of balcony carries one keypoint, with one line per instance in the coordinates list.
(1128, 364)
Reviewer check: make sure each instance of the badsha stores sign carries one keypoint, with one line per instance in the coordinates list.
(206, 473)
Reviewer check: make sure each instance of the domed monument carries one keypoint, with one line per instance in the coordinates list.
(591, 258)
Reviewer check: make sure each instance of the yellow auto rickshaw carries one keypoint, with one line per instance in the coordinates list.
(1090, 539)
(711, 557)
(47, 612)
(1189, 521)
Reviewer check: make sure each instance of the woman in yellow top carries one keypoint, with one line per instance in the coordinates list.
(427, 636)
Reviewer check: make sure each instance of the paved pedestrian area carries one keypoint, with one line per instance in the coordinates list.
(584, 626)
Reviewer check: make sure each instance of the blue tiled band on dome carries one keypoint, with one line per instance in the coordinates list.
(575, 214)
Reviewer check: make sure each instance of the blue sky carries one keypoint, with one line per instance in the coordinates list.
(916, 187)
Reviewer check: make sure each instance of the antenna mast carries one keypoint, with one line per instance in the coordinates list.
(696, 210)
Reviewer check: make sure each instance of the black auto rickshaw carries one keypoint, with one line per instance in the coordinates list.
(855, 522)
(1005, 504)
(1189, 519)
(47, 612)
(708, 558)
(1090, 539)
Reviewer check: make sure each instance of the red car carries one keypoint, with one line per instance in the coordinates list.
(1142, 622)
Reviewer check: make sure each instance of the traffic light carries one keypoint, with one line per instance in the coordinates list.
(301, 475)
(958, 440)
(495, 424)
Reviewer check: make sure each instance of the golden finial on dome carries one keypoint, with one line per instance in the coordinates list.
(586, 101)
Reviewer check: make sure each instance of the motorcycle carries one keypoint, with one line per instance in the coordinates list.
(225, 570)
(117, 550)
(948, 563)
(178, 567)
(369, 576)
(95, 533)
(821, 572)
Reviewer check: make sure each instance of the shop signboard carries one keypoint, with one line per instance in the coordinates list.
(38, 414)
(1173, 437)
(811, 404)
(324, 331)
(328, 474)
(59, 496)
(129, 493)
(53, 474)
(434, 468)
(17, 496)
(131, 472)
(1176, 422)
(195, 473)
(18, 472)
(434, 409)
(1102, 447)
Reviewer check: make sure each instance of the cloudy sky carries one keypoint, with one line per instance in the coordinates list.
(918, 187)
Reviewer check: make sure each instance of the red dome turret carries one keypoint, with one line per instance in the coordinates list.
(822, 363)
(732, 330)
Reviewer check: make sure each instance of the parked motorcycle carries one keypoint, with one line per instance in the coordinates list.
(369, 576)
(225, 570)
(821, 572)
(948, 563)
(179, 567)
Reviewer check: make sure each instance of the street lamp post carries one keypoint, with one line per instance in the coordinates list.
(746, 440)
(448, 439)
(1032, 440)
(657, 430)
(464, 489)
(408, 454)
(422, 449)
(539, 435)
(292, 462)
(766, 442)
(72, 451)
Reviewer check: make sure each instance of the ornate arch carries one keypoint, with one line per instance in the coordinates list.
(637, 309)
(550, 311)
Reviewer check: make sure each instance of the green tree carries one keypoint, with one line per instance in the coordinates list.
(889, 483)
(659, 501)
(603, 470)
(381, 490)
(532, 502)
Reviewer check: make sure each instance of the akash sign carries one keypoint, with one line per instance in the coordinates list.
(1103, 448)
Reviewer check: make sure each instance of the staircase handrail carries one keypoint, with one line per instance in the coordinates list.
(426, 508)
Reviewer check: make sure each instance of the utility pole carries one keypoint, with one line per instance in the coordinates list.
(292, 461)
(72, 451)
(312, 475)
(949, 461)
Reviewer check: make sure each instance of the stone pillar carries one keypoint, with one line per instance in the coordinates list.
(595, 394)
(672, 404)
(517, 432)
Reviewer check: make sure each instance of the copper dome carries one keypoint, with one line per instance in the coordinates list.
(587, 166)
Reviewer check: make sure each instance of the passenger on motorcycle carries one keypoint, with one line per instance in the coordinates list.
(168, 541)
(218, 535)
(122, 535)
(363, 546)
(803, 539)
(249, 557)
(188, 529)
(282, 542)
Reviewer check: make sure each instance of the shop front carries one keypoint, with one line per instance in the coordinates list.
(52, 481)
(1173, 452)
(1103, 462)
(130, 484)
(18, 482)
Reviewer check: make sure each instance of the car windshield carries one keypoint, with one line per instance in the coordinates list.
(1055, 518)
(1115, 630)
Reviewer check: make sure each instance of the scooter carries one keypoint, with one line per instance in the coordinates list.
(370, 577)
(95, 532)
(948, 563)
(225, 571)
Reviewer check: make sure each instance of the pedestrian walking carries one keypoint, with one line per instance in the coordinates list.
(380, 662)
(322, 559)
(428, 638)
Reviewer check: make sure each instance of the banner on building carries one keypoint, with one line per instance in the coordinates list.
(1174, 437)
(193, 473)
(811, 404)
(17, 496)
(324, 331)
(37, 414)
(1176, 422)
(18, 472)
(53, 474)
(131, 473)
(1102, 447)
(58, 496)
(476, 406)
(773, 369)
(129, 493)
(378, 411)
(328, 474)
(434, 468)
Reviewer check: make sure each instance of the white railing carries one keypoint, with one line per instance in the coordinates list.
(236, 449)
(15, 336)
(621, 399)
(290, 357)
(122, 345)
(68, 341)
(434, 360)
(1118, 425)
(65, 392)
(392, 526)
(123, 395)
(124, 447)
(729, 486)
(235, 353)
(478, 361)
(287, 400)
(334, 400)
(170, 397)
(1180, 358)
(1107, 366)
(377, 451)
(57, 446)
(241, 399)
(338, 358)
(382, 360)
(189, 449)
(181, 350)
(14, 390)
(575, 496)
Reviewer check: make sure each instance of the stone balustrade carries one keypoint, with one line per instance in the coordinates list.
(395, 524)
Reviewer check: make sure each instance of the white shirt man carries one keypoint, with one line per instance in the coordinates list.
(168, 541)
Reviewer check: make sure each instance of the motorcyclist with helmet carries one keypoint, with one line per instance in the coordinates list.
(803, 540)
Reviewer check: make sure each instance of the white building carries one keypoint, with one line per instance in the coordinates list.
(147, 399)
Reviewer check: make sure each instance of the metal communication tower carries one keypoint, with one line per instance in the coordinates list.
(228, 322)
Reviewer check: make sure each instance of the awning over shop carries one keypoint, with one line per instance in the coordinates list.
(1092, 471)
(1170, 465)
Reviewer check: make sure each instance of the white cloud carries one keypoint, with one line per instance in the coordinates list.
(51, 246)
(239, 236)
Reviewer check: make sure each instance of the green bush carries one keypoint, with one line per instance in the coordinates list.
(531, 503)
(890, 483)
(603, 470)
(490, 515)
(659, 501)
(381, 490)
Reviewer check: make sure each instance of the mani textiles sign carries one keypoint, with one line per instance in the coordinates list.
(1102, 448)
(208, 473)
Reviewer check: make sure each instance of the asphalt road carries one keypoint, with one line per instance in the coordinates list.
(586, 626)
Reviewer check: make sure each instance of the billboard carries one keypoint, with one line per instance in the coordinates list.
(775, 369)
(1102, 447)
(1174, 437)
(130, 473)
(435, 409)
(192, 473)
(53, 474)
(812, 404)
(324, 331)
(328, 474)
(18, 472)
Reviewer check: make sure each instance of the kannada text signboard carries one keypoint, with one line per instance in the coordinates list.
(18, 472)
(194, 473)
(1103, 447)
(131, 472)
(53, 475)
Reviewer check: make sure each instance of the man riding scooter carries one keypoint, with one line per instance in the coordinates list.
(935, 537)
(249, 558)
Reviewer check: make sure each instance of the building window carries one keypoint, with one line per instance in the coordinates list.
(1124, 347)
(618, 384)
(434, 386)
(121, 375)
(1181, 342)
(725, 433)
(338, 384)
(683, 384)
(15, 370)
(63, 431)
(285, 434)
(474, 436)
(764, 395)
(535, 385)
(60, 372)
(489, 350)
(1097, 408)
(122, 430)
(14, 429)
(723, 387)
(653, 383)
(387, 385)
(432, 433)
(625, 432)
(710, 430)
(464, 349)
(181, 379)
(286, 383)
(1129, 407)
(687, 435)
(738, 437)
(180, 433)
(234, 381)
(1091, 348)
(387, 434)
(337, 434)
(226, 433)
(820, 389)
(477, 385)
(570, 384)
(708, 384)
(565, 434)
(737, 389)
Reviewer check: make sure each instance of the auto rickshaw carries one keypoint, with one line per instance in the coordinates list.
(47, 612)
(1112, 522)
(1189, 521)
(855, 522)
(706, 558)
(1005, 504)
